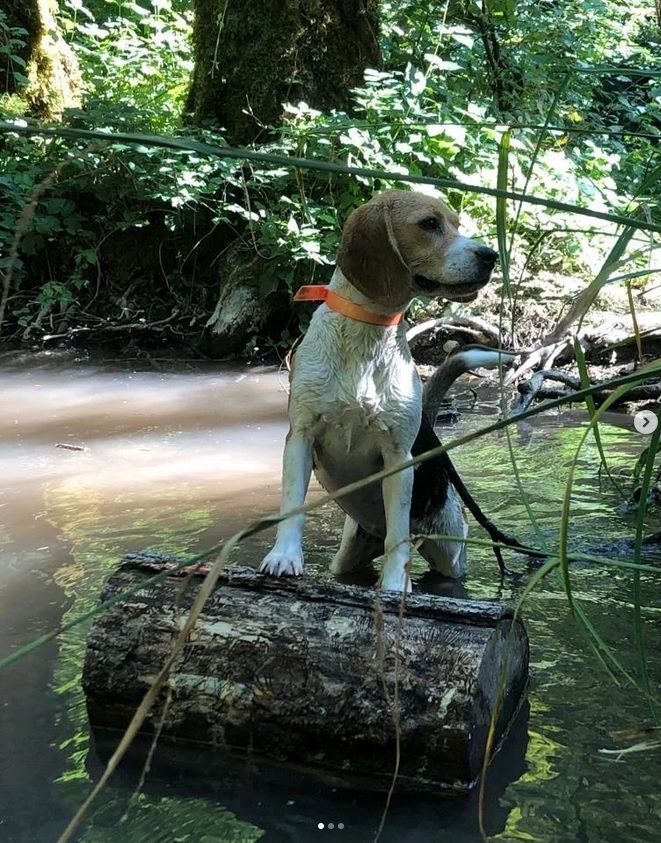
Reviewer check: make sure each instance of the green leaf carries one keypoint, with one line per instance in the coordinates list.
(441, 64)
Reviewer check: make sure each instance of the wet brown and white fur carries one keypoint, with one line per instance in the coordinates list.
(355, 399)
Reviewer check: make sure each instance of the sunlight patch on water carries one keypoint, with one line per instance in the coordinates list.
(176, 462)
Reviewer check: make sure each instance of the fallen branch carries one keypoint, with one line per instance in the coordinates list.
(473, 323)
(536, 389)
(531, 388)
(160, 325)
(543, 357)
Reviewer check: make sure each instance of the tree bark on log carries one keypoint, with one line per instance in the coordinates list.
(306, 672)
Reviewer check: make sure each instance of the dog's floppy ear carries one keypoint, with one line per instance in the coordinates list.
(369, 256)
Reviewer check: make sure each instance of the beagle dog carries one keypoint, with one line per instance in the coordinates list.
(355, 403)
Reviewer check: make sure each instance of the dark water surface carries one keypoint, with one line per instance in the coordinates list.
(175, 461)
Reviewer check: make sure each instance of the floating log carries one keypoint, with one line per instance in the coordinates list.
(312, 673)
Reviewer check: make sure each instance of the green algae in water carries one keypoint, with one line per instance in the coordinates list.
(569, 790)
(97, 540)
(164, 818)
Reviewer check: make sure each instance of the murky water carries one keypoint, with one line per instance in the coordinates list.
(174, 461)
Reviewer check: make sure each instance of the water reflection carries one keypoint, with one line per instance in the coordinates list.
(175, 461)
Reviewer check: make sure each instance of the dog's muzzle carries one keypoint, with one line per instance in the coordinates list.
(486, 260)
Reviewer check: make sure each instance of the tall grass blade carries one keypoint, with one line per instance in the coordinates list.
(587, 298)
(36, 643)
(241, 154)
(538, 145)
(551, 552)
(638, 546)
(502, 182)
(566, 504)
(606, 655)
(634, 320)
(531, 169)
(541, 538)
(589, 403)
(642, 461)
(542, 573)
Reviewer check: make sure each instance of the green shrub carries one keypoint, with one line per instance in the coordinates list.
(431, 113)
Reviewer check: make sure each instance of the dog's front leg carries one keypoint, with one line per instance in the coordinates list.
(397, 492)
(286, 558)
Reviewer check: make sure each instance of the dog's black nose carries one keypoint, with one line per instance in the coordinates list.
(487, 255)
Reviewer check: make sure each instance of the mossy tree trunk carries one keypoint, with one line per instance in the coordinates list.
(50, 65)
(251, 56)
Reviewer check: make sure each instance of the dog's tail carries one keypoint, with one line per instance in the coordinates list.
(462, 361)
(467, 358)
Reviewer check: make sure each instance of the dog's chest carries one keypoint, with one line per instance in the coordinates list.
(356, 384)
(355, 395)
(359, 396)
(360, 420)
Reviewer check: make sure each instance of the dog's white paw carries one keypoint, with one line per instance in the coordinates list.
(459, 567)
(396, 581)
(278, 564)
(454, 564)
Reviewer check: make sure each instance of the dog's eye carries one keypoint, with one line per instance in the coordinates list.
(431, 224)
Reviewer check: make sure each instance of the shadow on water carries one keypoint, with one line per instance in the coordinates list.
(174, 461)
(290, 803)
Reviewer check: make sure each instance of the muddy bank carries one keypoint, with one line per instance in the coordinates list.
(517, 320)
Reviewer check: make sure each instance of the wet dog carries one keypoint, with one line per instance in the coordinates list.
(355, 405)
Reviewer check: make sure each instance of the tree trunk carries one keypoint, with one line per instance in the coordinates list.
(53, 78)
(504, 77)
(310, 672)
(251, 56)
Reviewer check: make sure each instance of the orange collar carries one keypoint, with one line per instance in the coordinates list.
(317, 292)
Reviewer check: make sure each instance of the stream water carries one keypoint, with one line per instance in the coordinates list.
(176, 460)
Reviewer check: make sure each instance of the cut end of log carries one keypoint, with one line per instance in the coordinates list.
(312, 673)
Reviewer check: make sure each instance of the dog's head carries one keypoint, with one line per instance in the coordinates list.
(401, 244)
